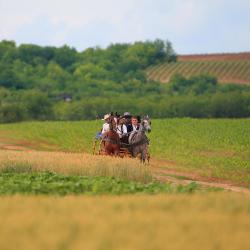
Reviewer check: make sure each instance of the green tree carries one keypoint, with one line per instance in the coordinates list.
(38, 105)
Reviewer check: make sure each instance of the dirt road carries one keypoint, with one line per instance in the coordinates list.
(168, 173)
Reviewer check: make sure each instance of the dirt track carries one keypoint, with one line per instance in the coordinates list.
(160, 174)
(171, 175)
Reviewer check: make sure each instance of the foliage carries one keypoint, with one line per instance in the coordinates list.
(57, 184)
(196, 85)
(36, 105)
(34, 82)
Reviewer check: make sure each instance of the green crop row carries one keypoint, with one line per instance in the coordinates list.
(238, 72)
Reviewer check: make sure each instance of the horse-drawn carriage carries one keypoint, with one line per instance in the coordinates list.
(130, 145)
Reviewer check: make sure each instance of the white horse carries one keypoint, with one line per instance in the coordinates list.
(139, 141)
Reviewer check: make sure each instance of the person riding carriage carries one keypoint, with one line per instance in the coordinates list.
(105, 126)
(121, 128)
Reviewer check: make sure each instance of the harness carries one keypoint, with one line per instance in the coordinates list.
(121, 130)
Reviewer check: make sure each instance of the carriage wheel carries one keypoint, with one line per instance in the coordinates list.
(101, 150)
(94, 147)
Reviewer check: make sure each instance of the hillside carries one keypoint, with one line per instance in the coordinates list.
(228, 68)
(50, 83)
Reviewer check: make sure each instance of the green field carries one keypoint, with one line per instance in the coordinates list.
(50, 183)
(209, 147)
(224, 71)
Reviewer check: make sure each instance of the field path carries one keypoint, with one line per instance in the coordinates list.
(160, 173)
(171, 175)
(8, 143)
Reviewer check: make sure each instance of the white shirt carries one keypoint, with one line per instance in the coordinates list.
(121, 129)
(134, 127)
(105, 128)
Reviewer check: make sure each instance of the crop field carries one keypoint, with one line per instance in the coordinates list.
(54, 194)
(212, 148)
(228, 67)
(224, 71)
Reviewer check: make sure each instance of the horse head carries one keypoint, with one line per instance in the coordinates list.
(146, 124)
(112, 123)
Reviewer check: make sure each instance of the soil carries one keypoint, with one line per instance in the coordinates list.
(172, 175)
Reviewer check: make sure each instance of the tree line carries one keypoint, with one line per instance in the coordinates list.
(49, 83)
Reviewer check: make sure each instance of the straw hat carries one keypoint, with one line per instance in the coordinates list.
(106, 117)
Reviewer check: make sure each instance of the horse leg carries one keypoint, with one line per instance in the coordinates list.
(142, 159)
(143, 155)
(116, 151)
(148, 157)
(134, 153)
(108, 149)
(147, 154)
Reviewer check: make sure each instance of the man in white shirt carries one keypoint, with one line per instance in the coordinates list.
(134, 122)
(121, 127)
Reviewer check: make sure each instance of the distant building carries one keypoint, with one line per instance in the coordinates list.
(65, 97)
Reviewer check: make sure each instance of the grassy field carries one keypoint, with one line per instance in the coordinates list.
(209, 147)
(60, 173)
(212, 221)
(59, 196)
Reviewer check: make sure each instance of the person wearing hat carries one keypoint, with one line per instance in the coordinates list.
(105, 126)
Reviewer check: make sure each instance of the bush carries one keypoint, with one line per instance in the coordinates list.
(232, 105)
(12, 113)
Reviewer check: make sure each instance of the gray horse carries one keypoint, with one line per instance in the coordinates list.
(138, 140)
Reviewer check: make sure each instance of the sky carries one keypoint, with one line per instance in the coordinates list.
(193, 26)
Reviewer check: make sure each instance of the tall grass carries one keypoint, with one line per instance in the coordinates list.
(74, 164)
